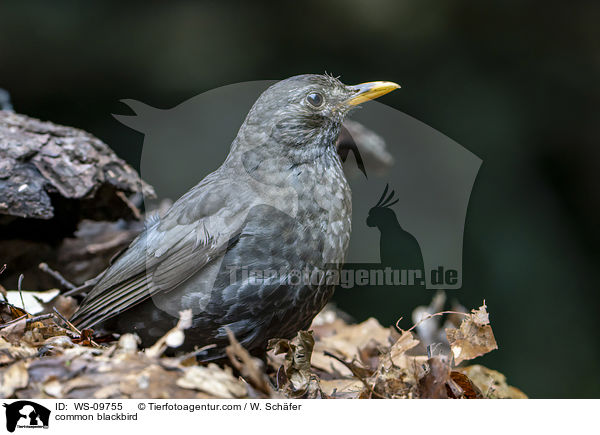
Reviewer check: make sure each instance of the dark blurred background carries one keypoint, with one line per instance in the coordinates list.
(514, 82)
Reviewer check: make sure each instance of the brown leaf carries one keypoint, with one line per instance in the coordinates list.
(33, 301)
(53, 388)
(347, 343)
(474, 337)
(13, 378)
(297, 367)
(491, 383)
(403, 344)
(397, 373)
(17, 312)
(370, 354)
(14, 331)
(366, 364)
(358, 371)
(86, 338)
(459, 386)
(433, 384)
(213, 380)
(341, 388)
(252, 369)
(389, 383)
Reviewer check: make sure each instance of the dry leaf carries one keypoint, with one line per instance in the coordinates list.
(213, 380)
(347, 343)
(252, 369)
(491, 383)
(403, 344)
(128, 344)
(295, 376)
(367, 366)
(14, 331)
(461, 387)
(433, 384)
(474, 337)
(34, 301)
(13, 378)
(53, 388)
(341, 388)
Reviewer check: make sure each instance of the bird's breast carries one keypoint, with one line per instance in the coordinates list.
(326, 203)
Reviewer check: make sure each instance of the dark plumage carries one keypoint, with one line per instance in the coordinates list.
(279, 202)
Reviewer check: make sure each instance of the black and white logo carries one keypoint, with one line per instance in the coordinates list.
(25, 414)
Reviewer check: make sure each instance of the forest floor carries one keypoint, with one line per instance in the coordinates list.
(43, 356)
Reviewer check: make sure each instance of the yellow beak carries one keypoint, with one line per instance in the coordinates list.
(370, 91)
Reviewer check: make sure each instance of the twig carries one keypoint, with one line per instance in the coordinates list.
(64, 319)
(427, 317)
(78, 290)
(118, 240)
(40, 318)
(56, 275)
(19, 289)
(28, 321)
(13, 321)
(2, 289)
(73, 328)
(356, 374)
(196, 352)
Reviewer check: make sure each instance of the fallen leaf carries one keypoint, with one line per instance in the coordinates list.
(401, 346)
(480, 316)
(341, 388)
(347, 343)
(297, 360)
(433, 384)
(473, 338)
(14, 331)
(213, 380)
(86, 338)
(491, 383)
(461, 387)
(13, 378)
(252, 369)
(53, 388)
(357, 371)
(33, 301)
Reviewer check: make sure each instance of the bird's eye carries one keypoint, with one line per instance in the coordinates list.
(315, 99)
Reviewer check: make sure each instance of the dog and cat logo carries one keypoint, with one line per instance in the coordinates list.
(25, 414)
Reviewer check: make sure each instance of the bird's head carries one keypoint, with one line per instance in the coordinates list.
(381, 214)
(303, 115)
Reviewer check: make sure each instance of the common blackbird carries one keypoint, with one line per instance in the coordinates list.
(251, 247)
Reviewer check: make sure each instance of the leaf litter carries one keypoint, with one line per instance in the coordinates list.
(43, 356)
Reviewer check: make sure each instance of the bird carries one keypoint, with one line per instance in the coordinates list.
(233, 249)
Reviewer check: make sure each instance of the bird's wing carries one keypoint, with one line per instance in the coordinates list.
(197, 229)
